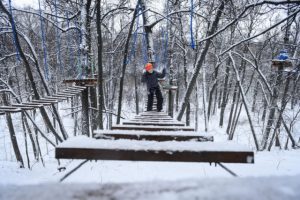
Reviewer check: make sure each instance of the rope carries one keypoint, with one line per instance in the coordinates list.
(79, 70)
(132, 53)
(44, 44)
(191, 26)
(69, 49)
(13, 25)
(166, 36)
(144, 43)
(58, 41)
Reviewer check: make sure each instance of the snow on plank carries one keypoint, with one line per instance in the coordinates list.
(24, 106)
(5, 108)
(171, 123)
(36, 105)
(156, 136)
(152, 128)
(82, 147)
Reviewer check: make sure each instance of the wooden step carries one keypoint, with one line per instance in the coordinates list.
(15, 107)
(32, 104)
(152, 128)
(143, 123)
(153, 118)
(156, 136)
(81, 147)
(67, 93)
(15, 110)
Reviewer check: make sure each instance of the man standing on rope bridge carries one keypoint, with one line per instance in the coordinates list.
(150, 77)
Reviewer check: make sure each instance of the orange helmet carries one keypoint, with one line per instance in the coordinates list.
(148, 66)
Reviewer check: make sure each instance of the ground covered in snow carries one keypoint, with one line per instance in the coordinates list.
(274, 175)
(263, 188)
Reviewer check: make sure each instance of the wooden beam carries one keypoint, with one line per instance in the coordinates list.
(71, 92)
(44, 103)
(10, 110)
(115, 150)
(36, 105)
(143, 123)
(156, 136)
(55, 98)
(67, 94)
(23, 106)
(152, 128)
(61, 95)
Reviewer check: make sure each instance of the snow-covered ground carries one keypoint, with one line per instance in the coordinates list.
(274, 175)
(268, 188)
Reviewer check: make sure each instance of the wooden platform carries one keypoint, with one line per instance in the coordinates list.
(155, 136)
(82, 147)
(82, 82)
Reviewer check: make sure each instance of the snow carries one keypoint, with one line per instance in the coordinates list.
(275, 175)
(275, 188)
(90, 143)
(173, 133)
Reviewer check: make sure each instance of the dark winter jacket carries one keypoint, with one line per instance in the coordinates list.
(151, 78)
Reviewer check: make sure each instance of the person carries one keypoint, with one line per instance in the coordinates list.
(150, 77)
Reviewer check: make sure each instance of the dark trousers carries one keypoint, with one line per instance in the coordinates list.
(159, 98)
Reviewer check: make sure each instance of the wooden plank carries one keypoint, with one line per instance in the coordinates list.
(80, 87)
(55, 98)
(76, 88)
(152, 128)
(15, 107)
(66, 93)
(82, 82)
(71, 92)
(44, 100)
(153, 118)
(63, 96)
(115, 150)
(142, 123)
(44, 103)
(36, 105)
(2, 113)
(10, 110)
(156, 136)
(24, 107)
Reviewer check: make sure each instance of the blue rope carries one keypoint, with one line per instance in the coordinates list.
(58, 40)
(13, 25)
(79, 69)
(132, 53)
(191, 26)
(69, 49)
(144, 42)
(166, 37)
(44, 45)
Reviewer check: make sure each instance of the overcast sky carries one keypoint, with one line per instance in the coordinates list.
(22, 3)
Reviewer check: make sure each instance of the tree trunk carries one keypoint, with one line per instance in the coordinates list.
(225, 91)
(125, 61)
(12, 133)
(245, 103)
(200, 62)
(100, 67)
(85, 112)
